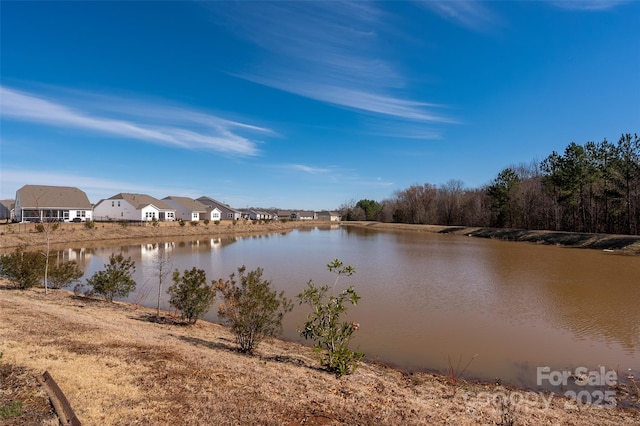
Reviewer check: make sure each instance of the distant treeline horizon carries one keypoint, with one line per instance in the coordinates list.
(592, 188)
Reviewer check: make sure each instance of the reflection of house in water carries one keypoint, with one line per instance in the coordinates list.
(148, 251)
(81, 256)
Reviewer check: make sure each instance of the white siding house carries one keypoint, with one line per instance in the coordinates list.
(37, 203)
(133, 207)
(212, 213)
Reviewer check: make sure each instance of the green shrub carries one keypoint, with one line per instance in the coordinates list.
(23, 268)
(181, 222)
(216, 222)
(206, 221)
(194, 223)
(324, 326)
(89, 224)
(252, 309)
(190, 294)
(115, 280)
(64, 274)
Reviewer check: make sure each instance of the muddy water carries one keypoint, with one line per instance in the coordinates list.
(430, 301)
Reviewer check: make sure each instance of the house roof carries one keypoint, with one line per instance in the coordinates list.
(188, 203)
(215, 203)
(46, 197)
(139, 201)
(9, 204)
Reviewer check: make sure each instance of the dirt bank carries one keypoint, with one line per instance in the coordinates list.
(623, 243)
(69, 235)
(117, 366)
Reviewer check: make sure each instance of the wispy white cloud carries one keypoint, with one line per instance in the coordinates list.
(308, 169)
(333, 52)
(587, 5)
(335, 175)
(128, 118)
(471, 14)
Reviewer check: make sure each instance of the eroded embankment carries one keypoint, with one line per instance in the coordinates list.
(623, 243)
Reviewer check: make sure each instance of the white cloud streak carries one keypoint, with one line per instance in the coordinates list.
(308, 169)
(471, 14)
(144, 122)
(333, 52)
(588, 5)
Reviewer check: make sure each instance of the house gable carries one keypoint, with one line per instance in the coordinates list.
(43, 202)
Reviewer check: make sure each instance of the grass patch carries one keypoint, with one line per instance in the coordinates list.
(12, 409)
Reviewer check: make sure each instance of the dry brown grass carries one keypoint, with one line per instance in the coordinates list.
(117, 366)
(70, 235)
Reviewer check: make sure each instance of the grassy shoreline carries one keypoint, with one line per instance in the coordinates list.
(117, 365)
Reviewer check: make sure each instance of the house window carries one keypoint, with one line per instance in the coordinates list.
(113, 203)
(118, 203)
(229, 215)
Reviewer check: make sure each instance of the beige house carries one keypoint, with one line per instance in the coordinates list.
(329, 216)
(187, 208)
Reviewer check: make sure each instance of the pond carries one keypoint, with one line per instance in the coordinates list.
(431, 301)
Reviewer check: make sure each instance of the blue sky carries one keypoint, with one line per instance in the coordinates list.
(305, 105)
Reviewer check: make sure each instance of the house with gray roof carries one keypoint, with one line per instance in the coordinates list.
(38, 203)
(226, 211)
(133, 207)
(187, 208)
(6, 209)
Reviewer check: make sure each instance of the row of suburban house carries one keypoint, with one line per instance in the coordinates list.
(38, 203)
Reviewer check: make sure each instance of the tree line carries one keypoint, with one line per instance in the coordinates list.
(594, 187)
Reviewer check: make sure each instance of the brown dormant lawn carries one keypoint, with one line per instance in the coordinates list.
(117, 365)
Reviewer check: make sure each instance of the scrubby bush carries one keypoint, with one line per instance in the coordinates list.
(251, 308)
(324, 326)
(190, 294)
(206, 222)
(89, 224)
(216, 222)
(194, 223)
(180, 222)
(23, 268)
(64, 274)
(116, 280)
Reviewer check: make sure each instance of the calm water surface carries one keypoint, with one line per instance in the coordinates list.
(428, 298)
